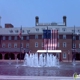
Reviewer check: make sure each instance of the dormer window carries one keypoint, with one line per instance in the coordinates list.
(79, 31)
(16, 31)
(63, 29)
(23, 31)
(28, 31)
(37, 29)
(57, 29)
(11, 31)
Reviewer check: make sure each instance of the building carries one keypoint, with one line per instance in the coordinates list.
(32, 40)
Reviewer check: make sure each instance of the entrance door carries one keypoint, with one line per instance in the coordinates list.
(77, 56)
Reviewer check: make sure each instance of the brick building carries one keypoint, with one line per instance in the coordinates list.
(32, 40)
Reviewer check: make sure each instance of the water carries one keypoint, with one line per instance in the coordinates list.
(74, 62)
(17, 65)
(41, 60)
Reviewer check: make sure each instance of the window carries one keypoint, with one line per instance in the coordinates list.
(27, 45)
(16, 31)
(64, 29)
(37, 29)
(74, 45)
(79, 45)
(23, 31)
(64, 44)
(3, 45)
(58, 44)
(58, 36)
(64, 55)
(64, 36)
(15, 45)
(15, 38)
(27, 38)
(42, 36)
(74, 37)
(36, 44)
(4, 38)
(21, 45)
(9, 45)
(11, 31)
(79, 37)
(9, 38)
(36, 36)
(22, 38)
(42, 44)
(28, 31)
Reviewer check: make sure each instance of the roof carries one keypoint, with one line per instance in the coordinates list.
(37, 29)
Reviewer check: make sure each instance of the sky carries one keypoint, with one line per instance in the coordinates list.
(23, 12)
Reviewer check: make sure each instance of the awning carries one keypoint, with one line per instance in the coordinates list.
(49, 51)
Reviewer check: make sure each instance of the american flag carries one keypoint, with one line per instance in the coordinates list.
(50, 39)
(20, 34)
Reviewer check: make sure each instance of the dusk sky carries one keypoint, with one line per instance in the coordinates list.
(23, 12)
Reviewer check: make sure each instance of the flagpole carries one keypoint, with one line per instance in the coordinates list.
(47, 38)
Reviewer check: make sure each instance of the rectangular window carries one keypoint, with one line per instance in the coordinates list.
(74, 37)
(64, 36)
(21, 45)
(27, 37)
(9, 45)
(36, 36)
(79, 45)
(3, 45)
(58, 44)
(64, 55)
(15, 45)
(9, 38)
(15, 38)
(4, 38)
(36, 44)
(74, 45)
(64, 44)
(27, 45)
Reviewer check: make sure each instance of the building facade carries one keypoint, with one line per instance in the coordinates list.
(32, 40)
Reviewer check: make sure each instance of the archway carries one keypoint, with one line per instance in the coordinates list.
(12, 56)
(0, 56)
(77, 56)
(7, 56)
(20, 56)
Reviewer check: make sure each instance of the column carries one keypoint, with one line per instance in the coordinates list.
(15, 56)
(3, 55)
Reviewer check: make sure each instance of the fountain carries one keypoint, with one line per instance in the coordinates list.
(9, 61)
(17, 65)
(74, 62)
(42, 60)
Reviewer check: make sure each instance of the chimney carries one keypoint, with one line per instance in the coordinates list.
(36, 20)
(64, 20)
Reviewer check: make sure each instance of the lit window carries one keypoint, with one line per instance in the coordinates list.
(4, 37)
(64, 36)
(9, 38)
(15, 38)
(27, 45)
(36, 44)
(36, 36)
(3, 45)
(15, 45)
(64, 55)
(64, 44)
(9, 45)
